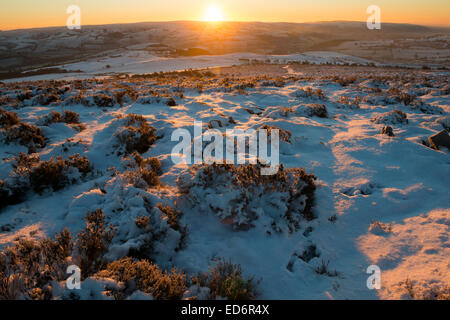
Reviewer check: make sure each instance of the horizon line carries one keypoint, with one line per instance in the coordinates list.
(226, 21)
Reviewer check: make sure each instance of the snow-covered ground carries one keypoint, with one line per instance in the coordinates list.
(143, 62)
(380, 200)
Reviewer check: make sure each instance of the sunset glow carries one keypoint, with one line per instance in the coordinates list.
(28, 13)
(213, 14)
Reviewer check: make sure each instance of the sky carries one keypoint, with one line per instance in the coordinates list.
(19, 14)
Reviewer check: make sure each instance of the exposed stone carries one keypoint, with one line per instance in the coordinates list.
(440, 139)
(388, 131)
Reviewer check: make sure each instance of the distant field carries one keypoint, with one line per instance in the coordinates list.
(22, 50)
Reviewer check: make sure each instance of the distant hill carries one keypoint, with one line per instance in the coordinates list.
(35, 48)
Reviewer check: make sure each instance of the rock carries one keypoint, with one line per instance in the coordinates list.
(388, 131)
(441, 139)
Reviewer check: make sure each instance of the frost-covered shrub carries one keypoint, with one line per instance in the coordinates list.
(69, 117)
(427, 108)
(310, 93)
(28, 267)
(147, 277)
(418, 290)
(405, 98)
(379, 228)
(241, 195)
(391, 117)
(444, 122)
(344, 81)
(346, 101)
(317, 110)
(102, 100)
(57, 173)
(225, 280)
(93, 242)
(171, 102)
(285, 135)
(323, 269)
(8, 118)
(47, 98)
(29, 173)
(125, 95)
(52, 117)
(9, 195)
(145, 170)
(25, 134)
(136, 134)
(79, 98)
(173, 216)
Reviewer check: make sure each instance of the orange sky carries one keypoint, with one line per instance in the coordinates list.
(16, 14)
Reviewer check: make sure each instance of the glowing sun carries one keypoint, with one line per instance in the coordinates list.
(213, 13)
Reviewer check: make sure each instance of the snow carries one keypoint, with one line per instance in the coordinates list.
(418, 249)
(363, 177)
(142, 62)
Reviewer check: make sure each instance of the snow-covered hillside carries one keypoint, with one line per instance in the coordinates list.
(379, 199)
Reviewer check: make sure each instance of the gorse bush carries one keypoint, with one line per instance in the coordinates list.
(225, 280)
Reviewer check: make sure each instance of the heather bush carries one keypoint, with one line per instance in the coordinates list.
(344, 81)
(29, 173)
(346, 101)
(247, 195)
(93, 243)
(143, 170)
(318, 110)
(225, 280)
(56, 173)
(69, 117)
(391, 117)
(47, 98)
(28, 267)
(147, 277)
(285, 135)
(8, 118)
(418, 290)
(137, 134)
(102, 100)
(12, 130)
(315, 94)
